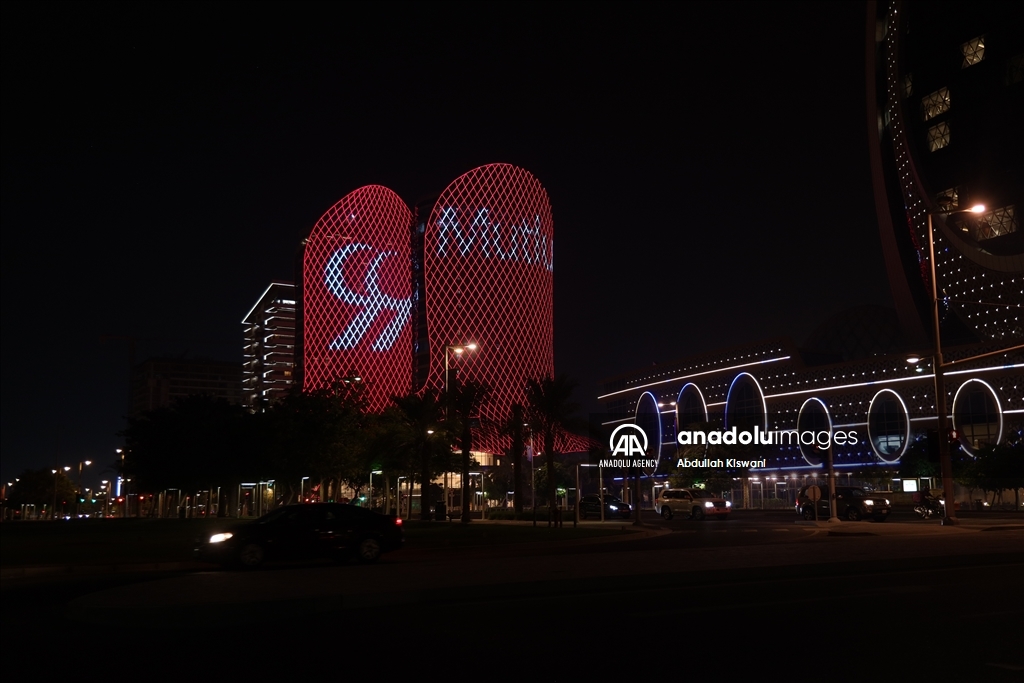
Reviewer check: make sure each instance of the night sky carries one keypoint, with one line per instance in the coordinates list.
(707, 166)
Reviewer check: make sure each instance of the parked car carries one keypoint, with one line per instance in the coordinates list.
(852, 504)
(613, 507)
(306, 531)
(693, 504)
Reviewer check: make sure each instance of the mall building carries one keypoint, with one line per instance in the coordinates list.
(945, 102)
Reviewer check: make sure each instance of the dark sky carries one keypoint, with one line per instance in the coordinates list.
(707, 167)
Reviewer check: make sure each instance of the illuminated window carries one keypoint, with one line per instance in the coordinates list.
(977, 415)
(744, 404)
(938, 136)
(908, 85)
(948, 199)
(934, 104)
(888, 425)
(974, 51)
(995, 223)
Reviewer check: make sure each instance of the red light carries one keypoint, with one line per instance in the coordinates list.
(398, 521)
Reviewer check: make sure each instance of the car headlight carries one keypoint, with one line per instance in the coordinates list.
(220, 538)
(709, 504)
(728, 503)
(869, 502)
(613, 508)
(887, 501)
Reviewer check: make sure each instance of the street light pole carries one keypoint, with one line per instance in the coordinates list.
(78, 506)
(945, 461)
(373, 472)
(54, 506)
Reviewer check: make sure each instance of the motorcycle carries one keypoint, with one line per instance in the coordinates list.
(929, 509)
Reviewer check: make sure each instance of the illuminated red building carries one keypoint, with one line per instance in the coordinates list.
(357, 296)
(488, 273)
(382, 289)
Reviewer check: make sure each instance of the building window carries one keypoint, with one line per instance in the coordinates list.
(948, 199)
(938, 136)
(974, 51)
(934, 104)
(996, 223)
(977, 415)
(908, 85)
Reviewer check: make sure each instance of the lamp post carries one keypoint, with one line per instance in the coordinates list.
(302, 489)
(81, 465)
(398, 487)
(458, 349)
(53, 510)
(373, 472)
(945, 460)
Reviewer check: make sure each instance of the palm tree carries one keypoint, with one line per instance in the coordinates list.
(421, 437)
(514, 428)
(551, 412)
(465, 401)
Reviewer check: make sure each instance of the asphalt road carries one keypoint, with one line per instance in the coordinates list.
(752, 595)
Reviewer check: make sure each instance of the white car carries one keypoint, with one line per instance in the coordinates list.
(693, 504)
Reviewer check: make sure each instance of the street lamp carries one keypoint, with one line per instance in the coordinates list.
(398, 489)
(81, 465)
(458, 350)
(940, 388)
(373, 472)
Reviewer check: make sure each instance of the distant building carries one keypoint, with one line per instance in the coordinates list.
(269, 354)
(158, 381)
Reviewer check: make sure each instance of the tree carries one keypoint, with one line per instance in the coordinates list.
(514, 427)
(422, 438)
(1001, 467)
(41, 488)
(464, 402)
(551, 413)
(196, 440)
(319, 434)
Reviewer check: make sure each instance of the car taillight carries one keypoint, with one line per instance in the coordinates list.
(398, 521)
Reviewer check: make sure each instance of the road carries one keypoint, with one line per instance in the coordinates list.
(756, 593)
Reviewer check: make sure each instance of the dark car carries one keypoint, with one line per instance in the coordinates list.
(296, 532)
(852, 504)
(613, 507)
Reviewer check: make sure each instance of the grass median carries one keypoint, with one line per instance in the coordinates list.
(147, 541)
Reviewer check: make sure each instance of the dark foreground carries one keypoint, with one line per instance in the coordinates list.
(760, 597)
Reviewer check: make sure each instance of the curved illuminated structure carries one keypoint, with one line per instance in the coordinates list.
(813, 417)
(946, 104)
(357, 296)
(648, 418)
(977, 415)
(745, 406)
(888, 425)
(487, 266)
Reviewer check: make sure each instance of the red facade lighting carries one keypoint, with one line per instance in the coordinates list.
(488, 280)
(357, 296)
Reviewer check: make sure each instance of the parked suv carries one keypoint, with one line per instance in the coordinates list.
(692, 503)
(852, 504)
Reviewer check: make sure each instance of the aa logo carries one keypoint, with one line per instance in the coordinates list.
(629, 440)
